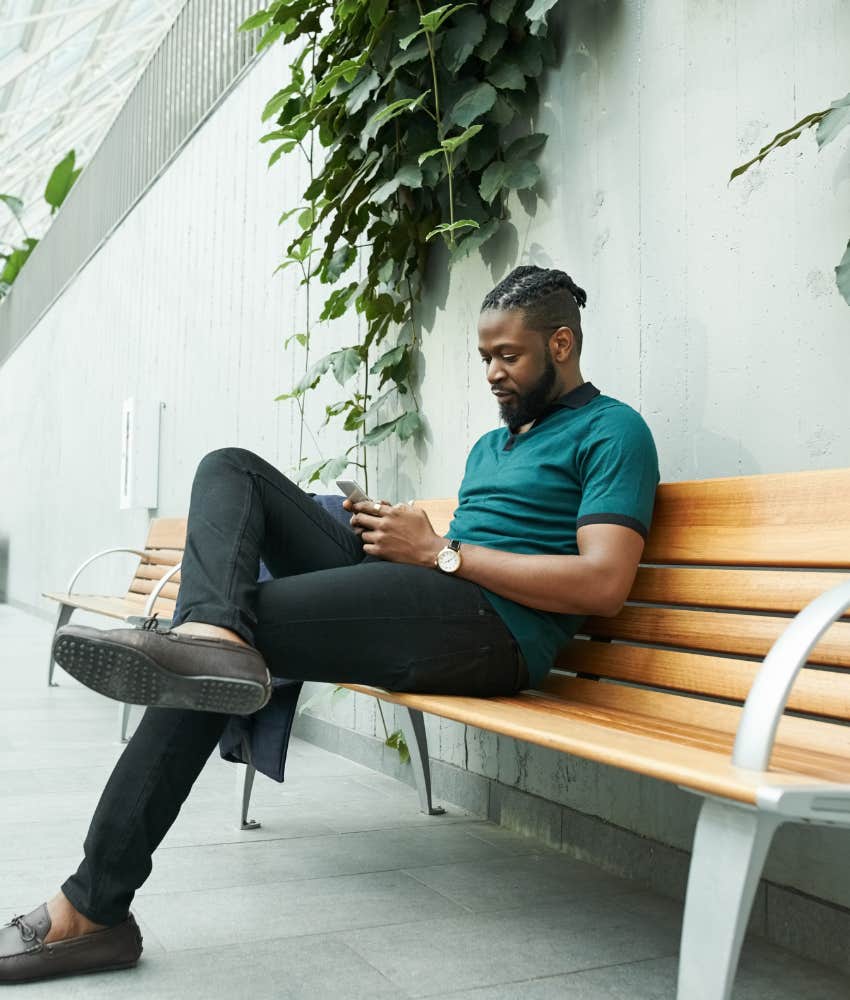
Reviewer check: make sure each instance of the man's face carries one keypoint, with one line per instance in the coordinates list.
(518, 365)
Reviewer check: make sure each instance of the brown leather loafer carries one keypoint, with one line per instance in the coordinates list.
(25, 957)
(147, 667)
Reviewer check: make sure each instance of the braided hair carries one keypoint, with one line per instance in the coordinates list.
(548, 298)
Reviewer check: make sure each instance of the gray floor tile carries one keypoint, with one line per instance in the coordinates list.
(254, 863)
(492, 948)
(519, 881)
(289, 909)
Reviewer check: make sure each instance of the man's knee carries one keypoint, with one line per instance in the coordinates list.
(226, 458)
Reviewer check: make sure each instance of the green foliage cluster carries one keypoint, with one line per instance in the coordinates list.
(422, 113)
(827, 124)
(60, 182)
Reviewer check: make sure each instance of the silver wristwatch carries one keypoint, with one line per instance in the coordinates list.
(449, 559)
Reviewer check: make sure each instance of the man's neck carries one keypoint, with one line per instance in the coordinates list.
(560, 390)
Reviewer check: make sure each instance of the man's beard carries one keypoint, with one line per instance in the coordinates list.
(528, 406)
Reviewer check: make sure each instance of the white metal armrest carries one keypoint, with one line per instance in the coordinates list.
(88, 562)
(769, 694)
(156, 590)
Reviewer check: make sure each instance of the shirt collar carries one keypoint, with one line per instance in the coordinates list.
(572, 400)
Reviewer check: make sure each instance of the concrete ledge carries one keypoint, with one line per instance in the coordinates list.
(802, 924)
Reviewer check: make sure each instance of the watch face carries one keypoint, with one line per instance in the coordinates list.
(448, 560)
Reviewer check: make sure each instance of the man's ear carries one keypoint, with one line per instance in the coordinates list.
(562, 344)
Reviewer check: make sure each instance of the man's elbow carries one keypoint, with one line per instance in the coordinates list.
(609, 597)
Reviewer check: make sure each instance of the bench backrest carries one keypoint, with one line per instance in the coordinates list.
(727, 563)
(163, 550)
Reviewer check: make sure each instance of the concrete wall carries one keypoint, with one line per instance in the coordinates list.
(712, 308)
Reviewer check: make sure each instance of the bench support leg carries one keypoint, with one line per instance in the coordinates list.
(413, 727)
(247, 788)
(730, 847)
(64, 616)
(123, 721)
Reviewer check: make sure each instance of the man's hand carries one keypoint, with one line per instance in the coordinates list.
(400, 533)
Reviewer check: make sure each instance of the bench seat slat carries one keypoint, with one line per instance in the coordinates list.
(818, 692)
(714, 631)
(112, 607)
(786, 591)
(809, 744)
(163, 557)
(576, 729)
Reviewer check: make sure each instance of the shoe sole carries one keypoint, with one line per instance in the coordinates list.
(86, 971)
(129, 675)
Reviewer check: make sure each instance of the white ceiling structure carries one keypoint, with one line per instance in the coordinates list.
(66, 69)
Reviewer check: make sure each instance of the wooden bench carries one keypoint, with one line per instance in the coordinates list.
(706, 680)
(153, 587)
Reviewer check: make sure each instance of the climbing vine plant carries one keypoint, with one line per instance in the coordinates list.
(424, 118)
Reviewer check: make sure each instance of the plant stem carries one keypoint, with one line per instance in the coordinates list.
(446, 155)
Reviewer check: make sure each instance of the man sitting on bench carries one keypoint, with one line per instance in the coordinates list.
(550, 525)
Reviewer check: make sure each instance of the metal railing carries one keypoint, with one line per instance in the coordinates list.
(196, 65)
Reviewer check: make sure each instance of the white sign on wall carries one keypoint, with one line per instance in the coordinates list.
(140, 453)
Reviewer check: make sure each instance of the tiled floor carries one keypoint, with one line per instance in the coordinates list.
(346, 891)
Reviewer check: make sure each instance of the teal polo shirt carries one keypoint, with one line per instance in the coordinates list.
(589, 459)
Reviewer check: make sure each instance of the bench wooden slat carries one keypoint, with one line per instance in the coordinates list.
(163, 557)
(718, 632)
(146, 571)
(578, 729)
(147, 586)
(167, 533)
(803, 746)
(739, 589)
(818, 692)
(113, 607)
(794, 519)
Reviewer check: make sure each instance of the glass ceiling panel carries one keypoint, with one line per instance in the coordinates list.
(66, 69)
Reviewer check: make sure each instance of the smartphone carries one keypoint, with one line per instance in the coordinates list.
(354, 492)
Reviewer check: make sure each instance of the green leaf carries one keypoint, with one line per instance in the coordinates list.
(428, 154)
(525, 144)
(493, 180)
(404, 43)
(377, 11)
(409, 175)
(338, 301)
(392, 357)
(340, 262)
(474, 103)
(398, 108)
(381, 432)
(306, 218)
(474, 241)
(781, 139)
(271, 36)
(15, 205)
(842, 275)
(460, 40)
(433, 20)
(455, 142)
(256, 20)
(288, 214)
(501, 10)
(411, 53)
(836, 119)
(302, 338)
(539, 9)
(345, 364)
(310, 379)
(452, 227)
(522, 175)
(507, 76)
(494, 39)
(529, 55)
(60, 182)
(408, 425)
(396, 741)
(362, 91)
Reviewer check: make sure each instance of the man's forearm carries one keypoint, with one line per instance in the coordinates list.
(572, 585)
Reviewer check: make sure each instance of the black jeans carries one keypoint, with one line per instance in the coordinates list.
(332, 614)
